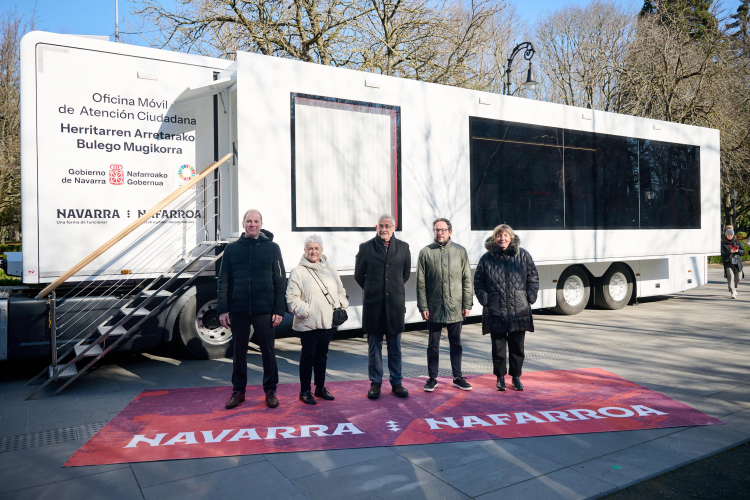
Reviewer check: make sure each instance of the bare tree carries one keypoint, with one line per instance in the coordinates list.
(307, 30)
(12, 28)
(582, 52)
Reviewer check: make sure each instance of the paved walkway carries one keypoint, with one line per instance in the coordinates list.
(693, 347)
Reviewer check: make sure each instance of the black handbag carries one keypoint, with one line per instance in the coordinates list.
(339, 314)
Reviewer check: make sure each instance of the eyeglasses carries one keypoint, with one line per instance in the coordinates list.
(381, 226)
(441, 230)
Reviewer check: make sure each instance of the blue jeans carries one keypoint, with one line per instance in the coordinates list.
(375, 355)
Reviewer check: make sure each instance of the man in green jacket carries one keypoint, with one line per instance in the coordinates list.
(444, 297)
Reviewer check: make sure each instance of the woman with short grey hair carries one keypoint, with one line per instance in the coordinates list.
(313, 292)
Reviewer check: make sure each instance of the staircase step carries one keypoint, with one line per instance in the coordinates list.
(162, 293)
(65, 374)
(120, 330)
(94, 351)
(140, 312)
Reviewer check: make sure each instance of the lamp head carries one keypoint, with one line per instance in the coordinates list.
(530, 83)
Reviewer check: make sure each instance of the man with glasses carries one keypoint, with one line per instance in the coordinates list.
(381, 269)
(444, 297)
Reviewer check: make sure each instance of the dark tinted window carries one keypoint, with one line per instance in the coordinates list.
(516, 175)
(670, 185)
(601, 175)
(533, 177)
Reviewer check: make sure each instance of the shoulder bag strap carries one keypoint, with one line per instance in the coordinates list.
(323, 287)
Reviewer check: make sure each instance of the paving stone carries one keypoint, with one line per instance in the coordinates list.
(32, 467)
(564, 484)
(255, 481)
(633, 464)
(295, 465)
(116, 485)
(497, 471)
(572, 449)
(154, 473)
(390, 477)
(443, 456)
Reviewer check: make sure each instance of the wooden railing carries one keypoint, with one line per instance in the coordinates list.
(132, 227)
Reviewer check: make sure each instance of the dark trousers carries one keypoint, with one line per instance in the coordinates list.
(433, 347)
(314, 354)
(264, 337)
(375, 352)
(515, 345)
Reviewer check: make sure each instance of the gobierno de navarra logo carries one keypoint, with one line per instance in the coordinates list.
(116, 175)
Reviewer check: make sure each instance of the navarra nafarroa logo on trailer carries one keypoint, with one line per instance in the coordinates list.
(116, 175)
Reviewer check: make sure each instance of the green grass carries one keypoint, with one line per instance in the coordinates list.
(6, 280)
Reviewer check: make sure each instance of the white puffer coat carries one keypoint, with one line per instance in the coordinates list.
(305, 299)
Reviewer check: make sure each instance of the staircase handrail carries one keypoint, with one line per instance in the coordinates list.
(133, 226)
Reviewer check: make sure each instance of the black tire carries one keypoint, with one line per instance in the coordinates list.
(577, 299)
(615, 287)
(212, 341)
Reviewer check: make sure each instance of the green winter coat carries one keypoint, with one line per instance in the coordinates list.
(444, 283)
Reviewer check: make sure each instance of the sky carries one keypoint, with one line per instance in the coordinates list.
(97, 17)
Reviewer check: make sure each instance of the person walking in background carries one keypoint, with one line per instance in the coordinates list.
(251, 288)
(313, 292)
(444, 298)
(731, 256)
(506, 283)
(382, 267)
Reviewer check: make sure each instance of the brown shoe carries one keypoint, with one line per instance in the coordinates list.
(271, 400)
(237, 398)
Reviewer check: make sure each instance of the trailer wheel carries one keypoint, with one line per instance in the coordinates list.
(573, 291)
(200, 332)
(615, 288)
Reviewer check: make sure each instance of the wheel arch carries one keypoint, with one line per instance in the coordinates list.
(172, 313)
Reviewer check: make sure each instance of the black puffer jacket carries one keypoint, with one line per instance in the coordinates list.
(506, 284)
(252, 277)
(726, 253)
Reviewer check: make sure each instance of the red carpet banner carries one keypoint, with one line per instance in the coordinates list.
(192, 423)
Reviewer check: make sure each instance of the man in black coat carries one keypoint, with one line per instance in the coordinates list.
(382, 266)
(252, 283)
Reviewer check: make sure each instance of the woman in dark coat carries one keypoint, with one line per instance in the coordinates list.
(731, 256)
(506, 284)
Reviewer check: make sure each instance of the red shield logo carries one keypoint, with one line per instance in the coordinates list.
(116, 175)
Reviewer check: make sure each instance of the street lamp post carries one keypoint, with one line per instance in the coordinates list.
(734, 209)
(528, 54)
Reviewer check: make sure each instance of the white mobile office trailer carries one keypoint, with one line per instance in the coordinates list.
(610, 206)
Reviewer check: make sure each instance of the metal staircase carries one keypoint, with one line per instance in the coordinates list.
(100, 312)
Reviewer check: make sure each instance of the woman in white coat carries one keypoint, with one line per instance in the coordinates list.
(313, 292)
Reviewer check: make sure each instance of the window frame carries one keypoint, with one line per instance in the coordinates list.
(397, 133)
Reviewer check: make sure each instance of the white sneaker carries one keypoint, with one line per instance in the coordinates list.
(734, 295)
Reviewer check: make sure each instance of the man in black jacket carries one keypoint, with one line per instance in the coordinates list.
(382, 266)
(252, 283)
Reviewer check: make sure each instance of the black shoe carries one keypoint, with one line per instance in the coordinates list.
(374, 392)
(400, 391)
(271, 400)
(237, 398)
(323, 393)
(430, 385)
(517, 385)
(501, 384)
(307, 398)
(461, 384)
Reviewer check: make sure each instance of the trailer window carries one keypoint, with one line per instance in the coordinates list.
(670, 185)
(600, 181)
(516, 175)
(345, 163)
(534, 177)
